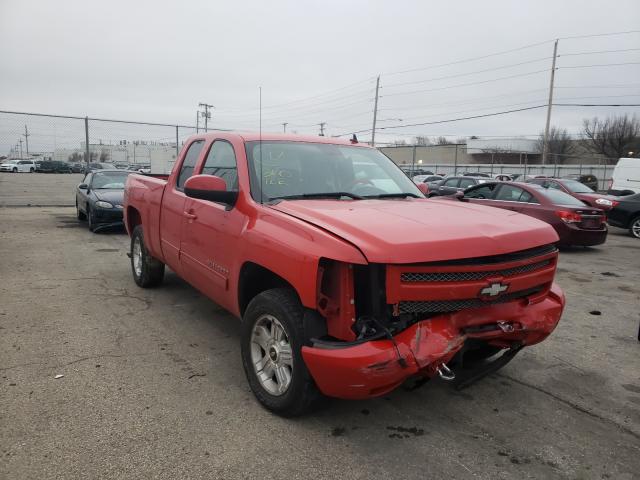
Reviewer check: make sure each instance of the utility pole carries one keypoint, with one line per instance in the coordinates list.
(545, 144)
(375, 113)
(207, 114)
(284, 127)
(20, 149)
(197, 121)
(322, 124)
(26, 136)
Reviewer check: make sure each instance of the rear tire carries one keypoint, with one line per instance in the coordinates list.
(31, 170)
(147, 271)
(15, 170)
(273, 334)
(634, 227)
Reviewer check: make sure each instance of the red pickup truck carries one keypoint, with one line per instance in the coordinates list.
(347, 280)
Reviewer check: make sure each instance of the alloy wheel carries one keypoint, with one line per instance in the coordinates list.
(271, 355)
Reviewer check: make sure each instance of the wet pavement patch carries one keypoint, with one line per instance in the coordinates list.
(609, 274)
(415, 431)
(595, 312)
(338, 431)
(107, 250)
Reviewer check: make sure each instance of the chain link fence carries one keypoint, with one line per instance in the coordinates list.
(77, 141)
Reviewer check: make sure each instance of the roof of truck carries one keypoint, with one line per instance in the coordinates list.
(289, 137)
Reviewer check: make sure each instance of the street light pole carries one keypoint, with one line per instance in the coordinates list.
(545, 144)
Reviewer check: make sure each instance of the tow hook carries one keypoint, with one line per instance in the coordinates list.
(445, 373)
(505, 327)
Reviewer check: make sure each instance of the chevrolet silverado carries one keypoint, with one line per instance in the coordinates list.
(347, 280)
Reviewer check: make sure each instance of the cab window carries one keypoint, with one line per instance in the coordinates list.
(221, 162)
(189, 162)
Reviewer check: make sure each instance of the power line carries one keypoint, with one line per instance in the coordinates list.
(449, 120)
(599, 35)
(599, 51)
(468, 73)
(623, 85)
(601, 65)
(467, 84)
(468, 59)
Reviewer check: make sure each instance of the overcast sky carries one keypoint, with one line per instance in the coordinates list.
(317, 61)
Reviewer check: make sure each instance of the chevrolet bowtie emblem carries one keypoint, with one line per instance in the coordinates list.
(493, 290)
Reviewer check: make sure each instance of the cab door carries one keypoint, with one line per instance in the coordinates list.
(211, 230)
(172, 213)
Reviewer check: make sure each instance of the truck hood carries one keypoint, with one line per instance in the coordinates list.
(421, 230)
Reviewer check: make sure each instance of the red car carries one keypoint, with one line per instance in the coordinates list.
(578, 190)
(575, 223)
(347, 280)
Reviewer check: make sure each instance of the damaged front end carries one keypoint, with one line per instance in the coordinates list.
(388, 323)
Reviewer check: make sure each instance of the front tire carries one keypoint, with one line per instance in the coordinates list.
(634, 227)
(31, 170)
(15, 170)
(81, 215)
(147, 271)
(273, 334)
(90, 221)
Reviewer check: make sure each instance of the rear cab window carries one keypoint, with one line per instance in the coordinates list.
(189, 163)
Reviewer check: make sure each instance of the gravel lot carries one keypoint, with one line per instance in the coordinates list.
(153, 385)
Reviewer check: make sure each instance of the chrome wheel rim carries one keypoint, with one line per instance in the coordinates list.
(136, 256)
(635, 228)
(271, 355)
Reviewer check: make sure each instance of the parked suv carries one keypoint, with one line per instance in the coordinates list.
(587, 179)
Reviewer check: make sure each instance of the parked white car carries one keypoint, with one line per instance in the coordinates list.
(15, 166)
(626, 176)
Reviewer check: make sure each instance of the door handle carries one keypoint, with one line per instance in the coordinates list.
(189, 215)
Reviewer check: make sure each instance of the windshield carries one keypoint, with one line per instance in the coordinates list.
(115, 180)
(560, 198)
(297, 169)
(576, 187)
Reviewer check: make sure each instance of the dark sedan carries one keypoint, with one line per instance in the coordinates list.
(626, 214)
(451, 185)
(575, 223)
(99, 198)
(576, 189)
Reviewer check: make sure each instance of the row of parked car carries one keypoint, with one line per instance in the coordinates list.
(577, 212)
(55, 166)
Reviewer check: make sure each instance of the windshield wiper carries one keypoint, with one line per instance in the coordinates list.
(303, 196)
(394, 195)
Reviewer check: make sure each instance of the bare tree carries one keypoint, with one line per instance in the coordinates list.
(421, 141)
(442, 141)
(399, 143)
(559, 142)
(613, 136)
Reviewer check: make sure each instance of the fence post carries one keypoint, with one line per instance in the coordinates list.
(86, 141)
(413, 161)
(455, 162)
(177, 147)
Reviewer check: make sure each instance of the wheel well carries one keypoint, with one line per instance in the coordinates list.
(255, 279)
(133, 219)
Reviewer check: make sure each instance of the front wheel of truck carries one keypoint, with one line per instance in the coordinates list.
(147, 271)
(273, 334)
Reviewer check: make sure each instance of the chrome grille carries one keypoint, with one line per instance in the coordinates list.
(444, 306)
(467, 276)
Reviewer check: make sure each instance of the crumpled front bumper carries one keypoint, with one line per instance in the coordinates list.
(374, 368)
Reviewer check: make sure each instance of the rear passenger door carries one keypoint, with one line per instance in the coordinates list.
(508, 197)
(173, 212)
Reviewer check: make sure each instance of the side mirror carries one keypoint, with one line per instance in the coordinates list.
(83, 186)
(423, 188)
(459, 195)
(211, 188)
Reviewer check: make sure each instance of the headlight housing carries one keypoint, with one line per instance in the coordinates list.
(604, 201)
(103, 204)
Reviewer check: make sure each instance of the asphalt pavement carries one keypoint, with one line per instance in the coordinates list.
(151, 384)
